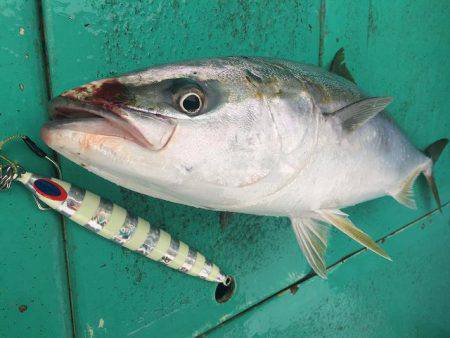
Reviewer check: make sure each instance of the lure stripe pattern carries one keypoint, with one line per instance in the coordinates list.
(150, 242)
(181, 257)
(189, 261)
(115, 223)
(101, 217)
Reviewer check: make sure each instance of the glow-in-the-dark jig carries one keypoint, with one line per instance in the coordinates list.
(111, 221)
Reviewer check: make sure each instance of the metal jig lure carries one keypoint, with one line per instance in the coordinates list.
(105, 218)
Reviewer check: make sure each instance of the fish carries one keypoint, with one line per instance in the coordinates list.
(246, 134)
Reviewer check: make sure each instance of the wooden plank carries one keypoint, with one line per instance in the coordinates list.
(33, 291)
(389, 54)
(364, 297)
(125, 293)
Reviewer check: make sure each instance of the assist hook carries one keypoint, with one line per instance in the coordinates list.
(11, 170)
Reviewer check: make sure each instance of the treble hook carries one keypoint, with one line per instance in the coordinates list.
(12, 170)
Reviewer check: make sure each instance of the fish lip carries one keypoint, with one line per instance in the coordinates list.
(64, 109)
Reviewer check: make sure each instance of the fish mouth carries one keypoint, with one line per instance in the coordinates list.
(106, 118)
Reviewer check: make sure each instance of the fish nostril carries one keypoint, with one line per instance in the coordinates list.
(225, 292)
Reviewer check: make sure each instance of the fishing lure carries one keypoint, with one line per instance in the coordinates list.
(107, 219)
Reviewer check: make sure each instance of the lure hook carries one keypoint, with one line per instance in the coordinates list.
(39, 152)
(11, 170)
(7, 175)
(40, 205)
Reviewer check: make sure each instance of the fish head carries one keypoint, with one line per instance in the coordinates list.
(204, 133)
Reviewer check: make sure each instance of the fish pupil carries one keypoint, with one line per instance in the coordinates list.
(191, 103)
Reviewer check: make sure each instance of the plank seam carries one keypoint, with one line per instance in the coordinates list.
(322, 14)
(311, 275)
(49, 91)
(44, 50)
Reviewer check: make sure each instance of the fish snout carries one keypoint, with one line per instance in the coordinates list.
(108, 91)
(111, 102)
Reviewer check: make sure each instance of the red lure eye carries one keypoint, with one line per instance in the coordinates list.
(50, 189)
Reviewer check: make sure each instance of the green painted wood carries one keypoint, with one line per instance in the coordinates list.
(130, 294)
(364, 297)
(120, 293)
(33, 286)
(398, 57)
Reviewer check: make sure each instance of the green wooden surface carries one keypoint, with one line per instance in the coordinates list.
(33, 286)
(365, 298)
(393, 48)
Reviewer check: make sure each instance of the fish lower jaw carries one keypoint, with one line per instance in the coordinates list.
(96, 117)
(89, 126)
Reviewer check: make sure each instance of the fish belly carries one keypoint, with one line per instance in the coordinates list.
(373, 161)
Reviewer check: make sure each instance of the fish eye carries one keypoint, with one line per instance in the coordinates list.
(188, 97)
(191, 103)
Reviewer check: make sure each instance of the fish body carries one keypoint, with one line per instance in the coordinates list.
(251, 135)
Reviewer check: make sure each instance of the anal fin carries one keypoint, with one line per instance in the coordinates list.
(405, 195)
(343, 223)
(312, 239)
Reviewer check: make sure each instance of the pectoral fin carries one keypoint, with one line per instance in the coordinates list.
(341, 222)
(356, 114)
(312, 239)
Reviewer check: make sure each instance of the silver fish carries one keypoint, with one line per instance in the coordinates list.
(251, 135)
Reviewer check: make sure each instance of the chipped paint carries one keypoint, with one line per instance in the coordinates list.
(89, 331)
(23, 308)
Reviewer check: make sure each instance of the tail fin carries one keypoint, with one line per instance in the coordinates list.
(433, 151)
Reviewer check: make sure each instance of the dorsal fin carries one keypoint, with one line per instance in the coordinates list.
(356, 114)
(339, 67)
